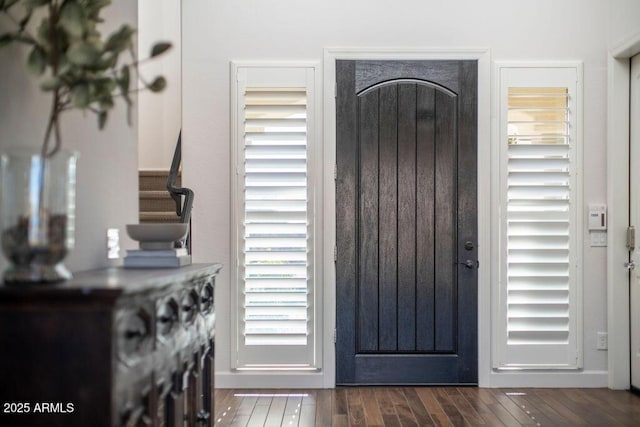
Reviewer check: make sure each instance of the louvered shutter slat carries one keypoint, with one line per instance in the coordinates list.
(282, 206)
(538, 255)
(275, 125)
(275, 138)
(266, 152)
(275, 217)
(275, 285)
(276, 166)
(263, 193)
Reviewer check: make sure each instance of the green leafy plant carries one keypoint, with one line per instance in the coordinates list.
(76, 64)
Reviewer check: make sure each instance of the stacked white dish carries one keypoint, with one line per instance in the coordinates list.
(157, 246)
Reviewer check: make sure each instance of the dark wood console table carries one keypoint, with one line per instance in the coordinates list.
(111, 347)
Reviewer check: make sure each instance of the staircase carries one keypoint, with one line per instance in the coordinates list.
(156, 205)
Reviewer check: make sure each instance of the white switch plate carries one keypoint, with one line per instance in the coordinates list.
(597, 217)
(598, 238)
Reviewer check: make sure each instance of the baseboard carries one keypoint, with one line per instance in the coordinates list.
(269, 380)
(512, 379)
(582, 379)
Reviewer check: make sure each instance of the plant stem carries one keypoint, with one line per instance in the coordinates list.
(56, 106)
(53, 125)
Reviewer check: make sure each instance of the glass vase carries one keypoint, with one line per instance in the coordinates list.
(37, 206)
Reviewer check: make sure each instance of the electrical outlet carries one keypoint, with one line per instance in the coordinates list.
(113, 243)
(603, 339)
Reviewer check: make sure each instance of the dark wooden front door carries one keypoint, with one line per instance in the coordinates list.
(406, 212)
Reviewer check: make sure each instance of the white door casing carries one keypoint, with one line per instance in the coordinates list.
(618, 207)
(634, 291)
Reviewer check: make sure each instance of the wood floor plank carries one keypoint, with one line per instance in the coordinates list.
(356, 407)
(307, 415)
(448, 406)
(403, 411)
(468, 412)
(472, 397)
(340, 402)
(388, 411)
(308, 409)
(518, 413)
(245, 409)
(227, 409)
(263, 406)
(220, 394)
(551, 398)
(292, 409)
(324, 407)
(341, 408)
(406, 417)
(576, 402)
(622, 417)
(310, 397)
(276, 411)
(539, 411)
(622, 401)
(498, 410)
(429, 401)
(418, 408)
(260, 411)
(340, 421)
(485, 396)
(371, 409)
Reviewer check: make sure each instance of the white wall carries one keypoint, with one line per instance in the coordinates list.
(107, 168)
(624, 21)
(216, 32)
(159, 117)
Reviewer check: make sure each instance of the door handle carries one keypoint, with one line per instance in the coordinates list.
(468, 263)
(630, 265)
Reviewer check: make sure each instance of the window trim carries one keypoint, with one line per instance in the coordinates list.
(498, 332)
(315, 185)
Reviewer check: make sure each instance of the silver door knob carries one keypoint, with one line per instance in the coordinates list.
(630, 265)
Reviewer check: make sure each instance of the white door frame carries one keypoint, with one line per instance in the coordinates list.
(484, 185)
(618, 71)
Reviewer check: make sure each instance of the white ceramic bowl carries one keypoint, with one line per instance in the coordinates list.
(157, 236)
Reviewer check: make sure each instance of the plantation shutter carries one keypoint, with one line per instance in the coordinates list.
(275, 277)
(538, 287)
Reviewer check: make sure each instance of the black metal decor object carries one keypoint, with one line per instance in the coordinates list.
(183, 207)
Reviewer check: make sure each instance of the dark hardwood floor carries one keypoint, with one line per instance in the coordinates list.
(427, 406)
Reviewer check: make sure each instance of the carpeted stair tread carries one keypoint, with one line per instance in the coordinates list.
(150, 180)
(155, 194)
(158, 217)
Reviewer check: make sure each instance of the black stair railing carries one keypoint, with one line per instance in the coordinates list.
(182, 196)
